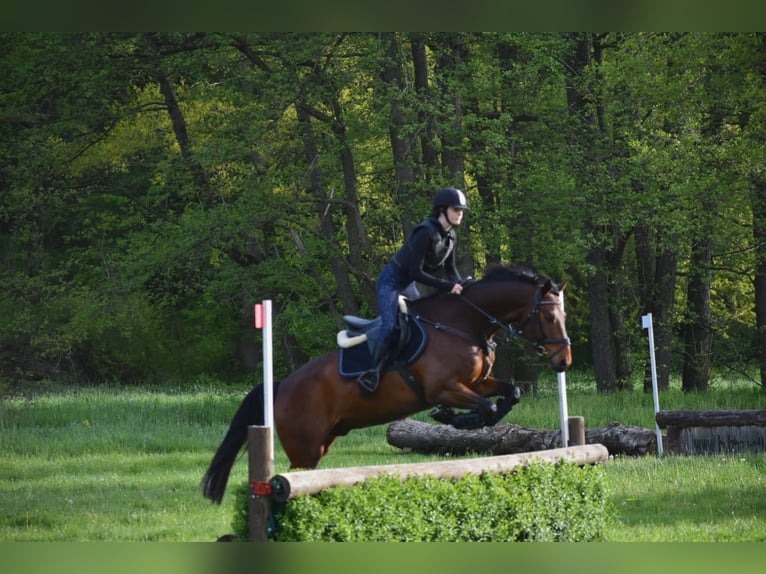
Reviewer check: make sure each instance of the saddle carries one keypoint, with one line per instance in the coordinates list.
(358, 340)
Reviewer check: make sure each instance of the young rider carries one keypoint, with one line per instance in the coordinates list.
(429, 248)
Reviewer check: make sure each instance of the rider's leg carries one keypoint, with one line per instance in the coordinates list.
(370, 379)
(388, 301)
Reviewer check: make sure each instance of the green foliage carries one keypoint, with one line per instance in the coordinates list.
(135, 236)
(540, 502)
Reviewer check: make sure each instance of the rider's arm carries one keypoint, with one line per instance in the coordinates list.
(418, 245)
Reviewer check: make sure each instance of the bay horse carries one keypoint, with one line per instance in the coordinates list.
(315, 404)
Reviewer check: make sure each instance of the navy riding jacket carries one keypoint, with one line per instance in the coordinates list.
(428, 249)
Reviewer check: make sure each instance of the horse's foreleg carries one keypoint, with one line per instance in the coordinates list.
(461, 396)
(510, 396)
(485, 413)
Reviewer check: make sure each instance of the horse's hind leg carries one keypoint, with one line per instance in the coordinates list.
(304, 451)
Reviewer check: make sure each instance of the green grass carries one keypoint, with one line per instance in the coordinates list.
(111, 464)
(628, 407)
(688, 499)
(124, 464)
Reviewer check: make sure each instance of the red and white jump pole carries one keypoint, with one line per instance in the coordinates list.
(263, 321)
(260, 439)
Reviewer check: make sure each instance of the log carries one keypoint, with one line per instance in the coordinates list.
(731, 418)
(291, 484)
(509, 438)
(705, 432)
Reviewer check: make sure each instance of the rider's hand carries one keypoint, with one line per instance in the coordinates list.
(457, 289)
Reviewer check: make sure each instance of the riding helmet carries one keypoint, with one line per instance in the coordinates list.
(450, 197)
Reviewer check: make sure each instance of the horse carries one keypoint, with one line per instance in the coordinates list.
(315, 404)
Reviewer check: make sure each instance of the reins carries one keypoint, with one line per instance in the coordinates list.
(511, 330)
(492, 320)
(488, 345)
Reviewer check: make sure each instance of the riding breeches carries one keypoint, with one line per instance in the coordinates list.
(391, 283)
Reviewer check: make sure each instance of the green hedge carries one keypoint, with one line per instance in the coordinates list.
(540, 502)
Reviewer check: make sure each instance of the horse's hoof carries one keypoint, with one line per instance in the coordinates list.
(442, 414)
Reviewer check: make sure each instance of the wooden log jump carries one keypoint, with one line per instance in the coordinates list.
(508, 438)
(291, 484)
(698, 432)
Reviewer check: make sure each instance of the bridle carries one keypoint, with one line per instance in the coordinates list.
(534, 315)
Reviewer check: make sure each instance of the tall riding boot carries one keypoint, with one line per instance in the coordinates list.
(370, 379)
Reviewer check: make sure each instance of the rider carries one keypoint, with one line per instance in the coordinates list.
(430, 247)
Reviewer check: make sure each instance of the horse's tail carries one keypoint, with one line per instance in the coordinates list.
(250, 412)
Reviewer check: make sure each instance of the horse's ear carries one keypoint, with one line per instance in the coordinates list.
(547, 286)
(562, 287)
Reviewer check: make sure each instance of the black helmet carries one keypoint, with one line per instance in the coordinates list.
(450, 197)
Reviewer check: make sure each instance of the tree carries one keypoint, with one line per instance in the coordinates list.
(156, 185)
(594, 152)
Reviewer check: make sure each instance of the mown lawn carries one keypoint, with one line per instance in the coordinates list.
(124, 463)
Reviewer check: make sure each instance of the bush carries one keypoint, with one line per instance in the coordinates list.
(540, 502)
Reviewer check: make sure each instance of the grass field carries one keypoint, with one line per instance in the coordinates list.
(124, 463)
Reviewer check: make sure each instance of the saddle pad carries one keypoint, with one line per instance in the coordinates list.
(355, 360)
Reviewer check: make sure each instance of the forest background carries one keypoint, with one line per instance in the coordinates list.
(154, 186)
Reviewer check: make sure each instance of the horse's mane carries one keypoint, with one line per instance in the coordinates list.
(513, 272)
(500, 272)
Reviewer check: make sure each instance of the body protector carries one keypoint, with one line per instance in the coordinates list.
(428, 249)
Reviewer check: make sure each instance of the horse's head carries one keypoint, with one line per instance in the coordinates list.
(546, 326)
(521, 301)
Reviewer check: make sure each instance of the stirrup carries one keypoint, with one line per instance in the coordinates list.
(369, 380)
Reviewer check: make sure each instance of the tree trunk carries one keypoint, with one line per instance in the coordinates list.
(178, 122)
(586, 134)
(602, 340)
(400, 134)
(429, 153)
(759, 235)
(657, 284)
(759, 240)
(508, 438)
(698, 335)
(622, 363)
(358, 244)
(449, 61)
(326, 224)
(182, 138)
(724, 418)
(664, 305)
